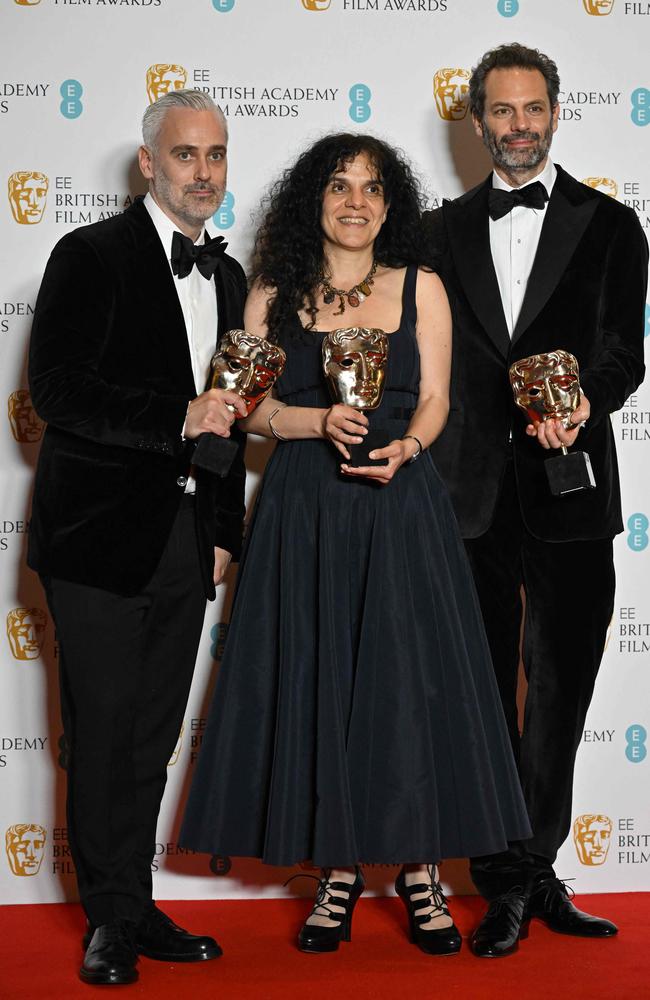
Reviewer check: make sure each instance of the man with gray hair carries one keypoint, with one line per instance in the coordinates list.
(128, 536)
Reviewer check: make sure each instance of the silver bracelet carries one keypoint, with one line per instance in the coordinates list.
(418, 443)
(276, 434)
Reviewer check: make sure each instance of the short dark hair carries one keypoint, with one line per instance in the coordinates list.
(511, 56)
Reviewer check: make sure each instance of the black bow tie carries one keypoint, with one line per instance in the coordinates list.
(186, 254)
(501, 202)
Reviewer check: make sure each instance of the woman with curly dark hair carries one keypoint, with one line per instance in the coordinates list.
(356, 717)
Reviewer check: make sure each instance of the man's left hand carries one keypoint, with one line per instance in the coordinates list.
(221, 563)
(553, 434)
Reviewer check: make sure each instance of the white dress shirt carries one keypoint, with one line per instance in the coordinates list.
(513, 242)
(198, 301)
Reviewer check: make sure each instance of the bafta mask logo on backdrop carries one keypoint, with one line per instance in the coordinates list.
(162, 78)
(27, 3)
(25, 845)
(598, 7)
(26, 425)
(26, 632)
(177, 749)
(451, 91)
(27, 196)
(592, 835)
(605, 184)
(316, 4)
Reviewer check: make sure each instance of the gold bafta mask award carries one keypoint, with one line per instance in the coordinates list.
(354, 362)
(547, 386)
(245, 364)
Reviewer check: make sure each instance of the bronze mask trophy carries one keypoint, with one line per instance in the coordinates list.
(547, 386)
(245, 364)
(354, 362)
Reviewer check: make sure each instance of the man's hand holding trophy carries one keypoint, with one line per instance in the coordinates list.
(547, 388)
(247, 366)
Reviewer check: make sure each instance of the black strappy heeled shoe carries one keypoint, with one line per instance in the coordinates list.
(439, 940)
(315, 938)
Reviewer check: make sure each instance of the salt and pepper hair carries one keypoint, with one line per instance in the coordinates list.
(154, 116)
(511, 56)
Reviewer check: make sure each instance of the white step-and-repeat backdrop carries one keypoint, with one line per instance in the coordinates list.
(75, 77)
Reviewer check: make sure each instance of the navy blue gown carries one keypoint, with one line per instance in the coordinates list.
(355, 717)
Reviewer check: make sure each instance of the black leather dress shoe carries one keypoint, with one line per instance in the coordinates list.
(502, 926)
(549, 901)
(157, 936)
(111, 958)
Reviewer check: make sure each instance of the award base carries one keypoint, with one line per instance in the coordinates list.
(569, 473)
(214, 453)
(375, 438)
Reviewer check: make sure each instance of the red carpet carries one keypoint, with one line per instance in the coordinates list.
(40, 947)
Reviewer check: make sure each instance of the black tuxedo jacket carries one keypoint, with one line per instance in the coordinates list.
(110, 372)
(586, 295)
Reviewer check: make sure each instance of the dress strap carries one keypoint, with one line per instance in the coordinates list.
(409, 308)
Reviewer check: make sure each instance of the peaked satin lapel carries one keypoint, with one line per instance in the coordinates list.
(469, 238)
(564, 225)
(164, 314)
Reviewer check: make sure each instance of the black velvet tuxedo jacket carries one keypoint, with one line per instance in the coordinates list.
(586, 295)
(110, 372)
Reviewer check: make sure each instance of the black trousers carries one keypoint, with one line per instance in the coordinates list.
(126, 666)
(569, 601)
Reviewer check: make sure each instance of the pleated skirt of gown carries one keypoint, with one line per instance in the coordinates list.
(356, 717)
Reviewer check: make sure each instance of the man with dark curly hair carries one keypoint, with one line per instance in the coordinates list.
(534, 261)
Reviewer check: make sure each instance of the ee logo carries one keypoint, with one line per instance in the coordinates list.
(638, 536)
(641, 106)
(360, 95)
(71, 91)
(218, 635)
(220, 864)
(508, 8)
(223, 6)
(636, 750)
(224, 217)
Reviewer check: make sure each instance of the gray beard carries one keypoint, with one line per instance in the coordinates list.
(512, 159)
(180, 208)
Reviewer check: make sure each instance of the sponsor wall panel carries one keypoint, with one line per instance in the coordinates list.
(74, 80)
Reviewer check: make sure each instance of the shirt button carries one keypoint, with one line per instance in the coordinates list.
(181, 481)
(518, 281)
(518, 241)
